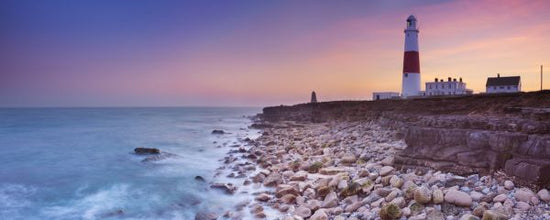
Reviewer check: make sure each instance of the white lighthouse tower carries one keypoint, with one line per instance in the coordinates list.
(411, 61)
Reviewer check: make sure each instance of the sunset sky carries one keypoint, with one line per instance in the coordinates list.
(256, 53)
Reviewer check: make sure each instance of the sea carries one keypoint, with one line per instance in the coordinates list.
(79, 163)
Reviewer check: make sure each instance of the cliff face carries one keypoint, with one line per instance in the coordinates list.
(473, 134)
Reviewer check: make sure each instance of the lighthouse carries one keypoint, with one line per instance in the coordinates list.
(411, 62)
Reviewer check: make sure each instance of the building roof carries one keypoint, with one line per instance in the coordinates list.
(503, 81)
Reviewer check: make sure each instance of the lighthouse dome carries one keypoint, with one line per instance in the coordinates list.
(411, 18)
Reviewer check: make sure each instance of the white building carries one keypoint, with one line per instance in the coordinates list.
(384, 95)
(411, 60)
(449, 87)
(503, 84)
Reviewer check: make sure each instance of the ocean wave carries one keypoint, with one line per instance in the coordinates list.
(101, 204)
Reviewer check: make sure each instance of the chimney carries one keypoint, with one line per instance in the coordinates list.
(454, 80)
(435, 79)
(449, 79)
(498, 75)
(460, 79)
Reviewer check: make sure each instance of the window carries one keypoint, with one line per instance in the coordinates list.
(508, 87)
(406, 75)
(502, 87)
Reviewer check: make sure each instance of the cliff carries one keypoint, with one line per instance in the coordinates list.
(468, 134)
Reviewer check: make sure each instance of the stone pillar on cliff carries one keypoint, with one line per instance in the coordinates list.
(313, 97)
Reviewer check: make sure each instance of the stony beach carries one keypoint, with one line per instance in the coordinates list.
(473, 157)
(345, 170)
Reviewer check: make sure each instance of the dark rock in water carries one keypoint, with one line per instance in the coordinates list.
(206, 216)
(160, 156)
(227, 187)
(218, 132)
(144, 150)
(200, 179)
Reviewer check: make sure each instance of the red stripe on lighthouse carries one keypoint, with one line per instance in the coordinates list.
(411, 62)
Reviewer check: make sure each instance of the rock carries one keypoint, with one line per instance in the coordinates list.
(390, 212)
(332, 170)
(494, 215)
(476, 196)
(458, 198)
(524, 194)
(434, 214)
(262, 197)
(500, 198)
(423, 195)
(348, 159)
(199, 178)
(438, 196)
(523, 206)
(143, 150)
(352, 207)
(396, 181)
(415, 207)
(302, 211)
(227, 187)
(313, 204)
(319, 215)
(386, 170)
(273, 179)
(206, 216)
(323, 191)
(480, 209)
(284, 189)
(351, 189)
(544, 195)
(299, 176)
(399, 201)
(331, 200)
(509, 185)
(388, 161)
(288, 198)
(218, 132)
(469, 217)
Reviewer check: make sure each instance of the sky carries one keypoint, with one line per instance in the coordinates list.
(256, 53)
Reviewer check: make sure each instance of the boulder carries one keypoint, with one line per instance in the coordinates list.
(544, 195)
(302, 211)
(299, 176)
(524, 194)
(144, 150)
(227, 187)
(438, 196)
(273, 179)
(500, 198)
(331, 200)
(386, 170)
(390, 212)
(509, 185)
(423, 195)
(218, 131)
(263, 197)
(494, 215)
(319, 215)
(284, 189)
(458, 198)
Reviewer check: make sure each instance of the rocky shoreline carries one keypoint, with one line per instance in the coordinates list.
(344, 170)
